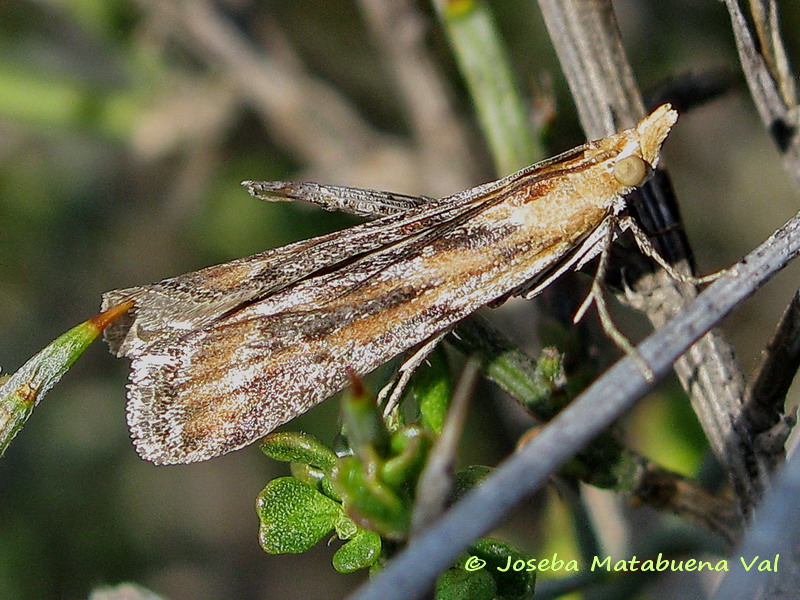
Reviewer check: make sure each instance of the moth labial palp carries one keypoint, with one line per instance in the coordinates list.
(223, 355)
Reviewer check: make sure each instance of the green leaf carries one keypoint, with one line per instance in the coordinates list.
(346, 528)
(363, 422)
(410, 447)
(294, 516)
(511, 584)
(459, 584)
(291, 446)
(21, 392)
(368, 501)
(315, 478)
(432, 388)
(359, 553)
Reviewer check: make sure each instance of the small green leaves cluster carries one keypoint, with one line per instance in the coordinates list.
(297, 512)
(365, 494)
(363, 498)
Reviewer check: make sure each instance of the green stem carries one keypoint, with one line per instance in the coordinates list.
(485, 67)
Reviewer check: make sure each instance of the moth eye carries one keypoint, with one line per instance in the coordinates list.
(630, 171)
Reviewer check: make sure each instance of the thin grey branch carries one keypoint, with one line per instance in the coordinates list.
(435, 483)
(610, 396)
(539, 387)
(773, 90)
(593, 60)
(775, 532)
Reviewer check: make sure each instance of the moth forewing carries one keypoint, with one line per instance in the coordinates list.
(172, 307)
(224, 355)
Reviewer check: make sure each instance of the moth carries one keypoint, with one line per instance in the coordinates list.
(223, 355)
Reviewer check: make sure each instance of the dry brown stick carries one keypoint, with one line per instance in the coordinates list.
(763, 411)
(667, 490)
(295, 106)
(590, 50)
(769, 78)
(398, 30)
(765, 22)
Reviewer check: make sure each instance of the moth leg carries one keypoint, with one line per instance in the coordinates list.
(391, 393)
(647, 248)
(355, 201)
(589, 248)
(597, 296)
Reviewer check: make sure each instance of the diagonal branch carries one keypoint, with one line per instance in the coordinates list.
(307, 116)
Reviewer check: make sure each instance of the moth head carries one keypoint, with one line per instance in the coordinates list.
(631, 170)
(642, 146)
(652, 131)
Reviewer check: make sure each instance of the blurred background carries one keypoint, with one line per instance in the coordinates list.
(125, 129)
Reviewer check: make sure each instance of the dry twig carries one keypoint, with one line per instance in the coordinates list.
(438, 133)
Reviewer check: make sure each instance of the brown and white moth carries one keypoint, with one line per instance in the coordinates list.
(222, 356)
